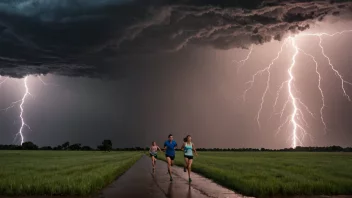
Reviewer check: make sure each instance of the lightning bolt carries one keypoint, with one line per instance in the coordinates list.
(343, 82)
(293, 98)
(21, 103)
(3, 81)
(42, 81)
(23, 123)
(319, 87)
(296, 118)
(251, 82)
(243, 62)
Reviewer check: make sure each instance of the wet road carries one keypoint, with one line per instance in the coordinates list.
(140, 182)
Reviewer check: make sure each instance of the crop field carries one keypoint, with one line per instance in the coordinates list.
(264, 174)
(61, 172)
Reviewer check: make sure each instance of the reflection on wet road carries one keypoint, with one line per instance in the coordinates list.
(141, 182)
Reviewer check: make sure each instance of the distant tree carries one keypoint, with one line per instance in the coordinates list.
(46, 148)
(75, 147)
(65, 145)
(337, 148)
(10, 147)
(29, 146)
(106, 145)
(138, 148)
(86, 148)
(58, 148)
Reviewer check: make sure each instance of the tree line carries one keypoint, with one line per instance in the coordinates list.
(106, 145)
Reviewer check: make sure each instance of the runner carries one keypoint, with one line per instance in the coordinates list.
(188, 148)
(154, 153)
(169, 147)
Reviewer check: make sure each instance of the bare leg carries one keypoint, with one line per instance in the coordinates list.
(153, 161)
(186, 164)
(169, 165)
(189, 168)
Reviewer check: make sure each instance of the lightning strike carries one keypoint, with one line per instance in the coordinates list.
(296, 118)
(20, 103)
(45, 83)
(3, 81)
(41, 80)
(251, 82)
(343, 82)
(23, 123)
(319, 87)
(292, 97)
(242, 62)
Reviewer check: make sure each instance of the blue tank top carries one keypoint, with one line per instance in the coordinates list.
(188, 149)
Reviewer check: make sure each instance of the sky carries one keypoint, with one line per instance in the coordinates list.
(136, 71)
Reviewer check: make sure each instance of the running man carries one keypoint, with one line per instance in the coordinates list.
(188, 148)
(154, 153)
(169, 147)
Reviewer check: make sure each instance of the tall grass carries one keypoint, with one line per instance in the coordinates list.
(272, 174)
(60, 172)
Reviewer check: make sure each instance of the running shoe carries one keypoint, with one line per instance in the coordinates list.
(184, 169)
(171, 179)
(190, 180)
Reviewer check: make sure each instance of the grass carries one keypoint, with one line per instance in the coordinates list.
(264, 174)
(61, 172)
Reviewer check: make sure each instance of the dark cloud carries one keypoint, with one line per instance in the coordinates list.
(89, 37)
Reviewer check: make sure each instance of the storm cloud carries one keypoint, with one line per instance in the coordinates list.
(90, 37)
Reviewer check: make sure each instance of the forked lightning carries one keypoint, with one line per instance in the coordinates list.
(21, 103)
(296, 118)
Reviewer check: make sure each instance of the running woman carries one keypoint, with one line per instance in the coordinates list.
(188, 148)
(169, 147)
(154, 153)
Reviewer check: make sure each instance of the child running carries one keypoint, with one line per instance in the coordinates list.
(154, 153)
(188, 148)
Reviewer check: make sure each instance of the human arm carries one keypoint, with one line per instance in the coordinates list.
(164, 146)
(183, 147)
(159, 149)
(194, 149)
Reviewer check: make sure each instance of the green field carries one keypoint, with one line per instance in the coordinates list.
(276, 173)
(61, 172)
